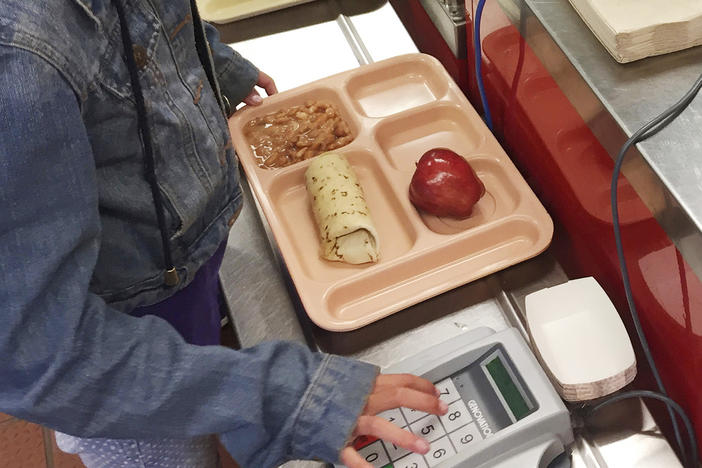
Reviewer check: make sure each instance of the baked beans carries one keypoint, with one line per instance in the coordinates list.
(296, 133)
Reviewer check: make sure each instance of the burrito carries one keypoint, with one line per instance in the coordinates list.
(345, 227)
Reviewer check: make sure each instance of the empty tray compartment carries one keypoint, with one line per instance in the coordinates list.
(392, 89)
(404, 139)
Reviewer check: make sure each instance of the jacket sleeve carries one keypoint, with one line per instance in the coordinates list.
(72, 363)
(237, 76)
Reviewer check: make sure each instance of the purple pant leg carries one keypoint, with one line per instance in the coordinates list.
(195, 310)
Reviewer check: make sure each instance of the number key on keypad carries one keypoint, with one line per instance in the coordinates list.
(456, 416)
(395, 451)
(439, 451)
(375, 454)
(429, 428)
(413, 460)
(448, 392)
(361, 441)
(394, 416)
(465, 437)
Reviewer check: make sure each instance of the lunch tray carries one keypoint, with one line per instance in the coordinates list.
(397, 109)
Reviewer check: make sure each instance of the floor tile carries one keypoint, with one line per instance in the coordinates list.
(22, 445)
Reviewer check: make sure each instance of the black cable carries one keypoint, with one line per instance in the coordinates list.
(670, 403)
(171, 275)
(648, 130)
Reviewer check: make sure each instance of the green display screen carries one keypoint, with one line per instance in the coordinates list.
(508, 389)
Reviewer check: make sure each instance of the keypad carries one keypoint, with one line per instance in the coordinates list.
(447, 435)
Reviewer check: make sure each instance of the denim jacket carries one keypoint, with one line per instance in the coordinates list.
(80, 245)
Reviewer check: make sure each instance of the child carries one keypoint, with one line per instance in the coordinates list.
(118, 185)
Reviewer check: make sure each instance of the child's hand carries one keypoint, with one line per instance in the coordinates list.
(394, 391)
(265, 82)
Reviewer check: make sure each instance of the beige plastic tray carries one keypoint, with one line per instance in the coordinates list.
(225, 11)
(397, 109)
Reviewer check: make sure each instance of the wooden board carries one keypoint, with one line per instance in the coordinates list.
(634, 29)
(226, 11)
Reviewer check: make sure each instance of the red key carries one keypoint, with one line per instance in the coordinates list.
(362, 441)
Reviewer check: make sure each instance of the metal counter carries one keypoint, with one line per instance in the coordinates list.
(260, 294)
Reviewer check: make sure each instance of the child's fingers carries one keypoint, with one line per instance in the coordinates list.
(352, 459)
(386, 398)
(267, 83)
(406, 380)
(389, 432)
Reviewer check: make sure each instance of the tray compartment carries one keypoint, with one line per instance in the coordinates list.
(496, 245)
(390, 90)
(326, 94)
(482, 212)
(406, 138)
(500, 200)
(290, 202)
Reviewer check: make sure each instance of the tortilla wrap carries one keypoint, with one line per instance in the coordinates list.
(346, 230)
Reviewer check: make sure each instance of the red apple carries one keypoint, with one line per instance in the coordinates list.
(444, 184)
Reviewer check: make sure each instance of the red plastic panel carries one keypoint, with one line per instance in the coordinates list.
(571, 172)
